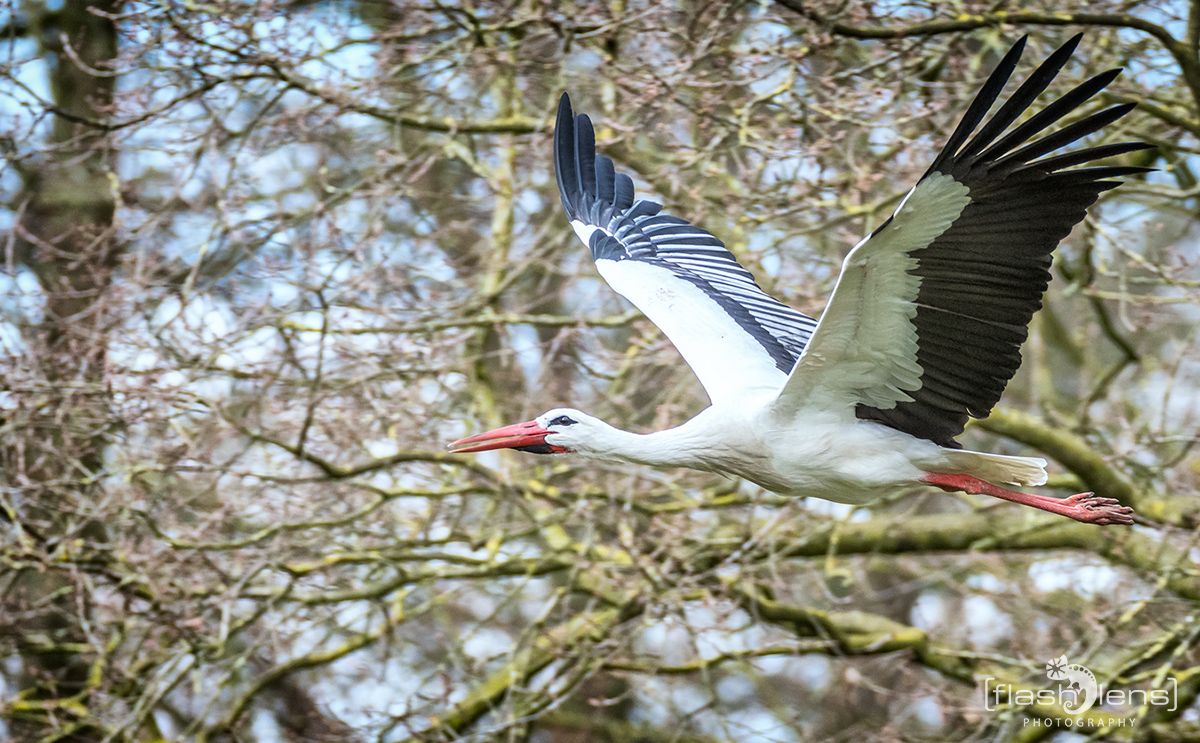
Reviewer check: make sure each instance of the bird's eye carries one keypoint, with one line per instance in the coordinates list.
(563, 420)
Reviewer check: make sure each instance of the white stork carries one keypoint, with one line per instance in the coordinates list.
(924, 327)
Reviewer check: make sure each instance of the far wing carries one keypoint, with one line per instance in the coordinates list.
(927, 319)
(733, 335)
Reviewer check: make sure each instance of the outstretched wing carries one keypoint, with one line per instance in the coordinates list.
(926, 322)
(732, 334)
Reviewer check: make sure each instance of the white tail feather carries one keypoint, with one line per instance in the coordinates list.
(998, 468)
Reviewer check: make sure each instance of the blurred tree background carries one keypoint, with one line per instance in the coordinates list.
(262, 260)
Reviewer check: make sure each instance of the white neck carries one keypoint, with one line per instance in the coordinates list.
(689, 445)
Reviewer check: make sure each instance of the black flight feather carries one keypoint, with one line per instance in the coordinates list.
(982, 279)
(983, 102)
(1021, 100)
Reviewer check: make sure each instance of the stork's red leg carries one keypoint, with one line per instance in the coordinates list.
(1085, 507)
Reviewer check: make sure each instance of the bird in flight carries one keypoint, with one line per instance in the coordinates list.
(924, 328)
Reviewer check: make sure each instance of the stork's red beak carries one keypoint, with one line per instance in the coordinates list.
(527, 436)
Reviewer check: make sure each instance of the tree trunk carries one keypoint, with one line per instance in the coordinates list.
(66, 238)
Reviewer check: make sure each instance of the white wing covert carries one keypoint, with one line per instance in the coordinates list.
(733, 335)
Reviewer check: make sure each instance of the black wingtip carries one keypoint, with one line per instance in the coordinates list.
(1124, 108)
(585, 155)
(564, 155)
(1018, 102)
(1001, 148)
(1062, 137)
(982, 103)
(1099, 152)
(564, 111)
